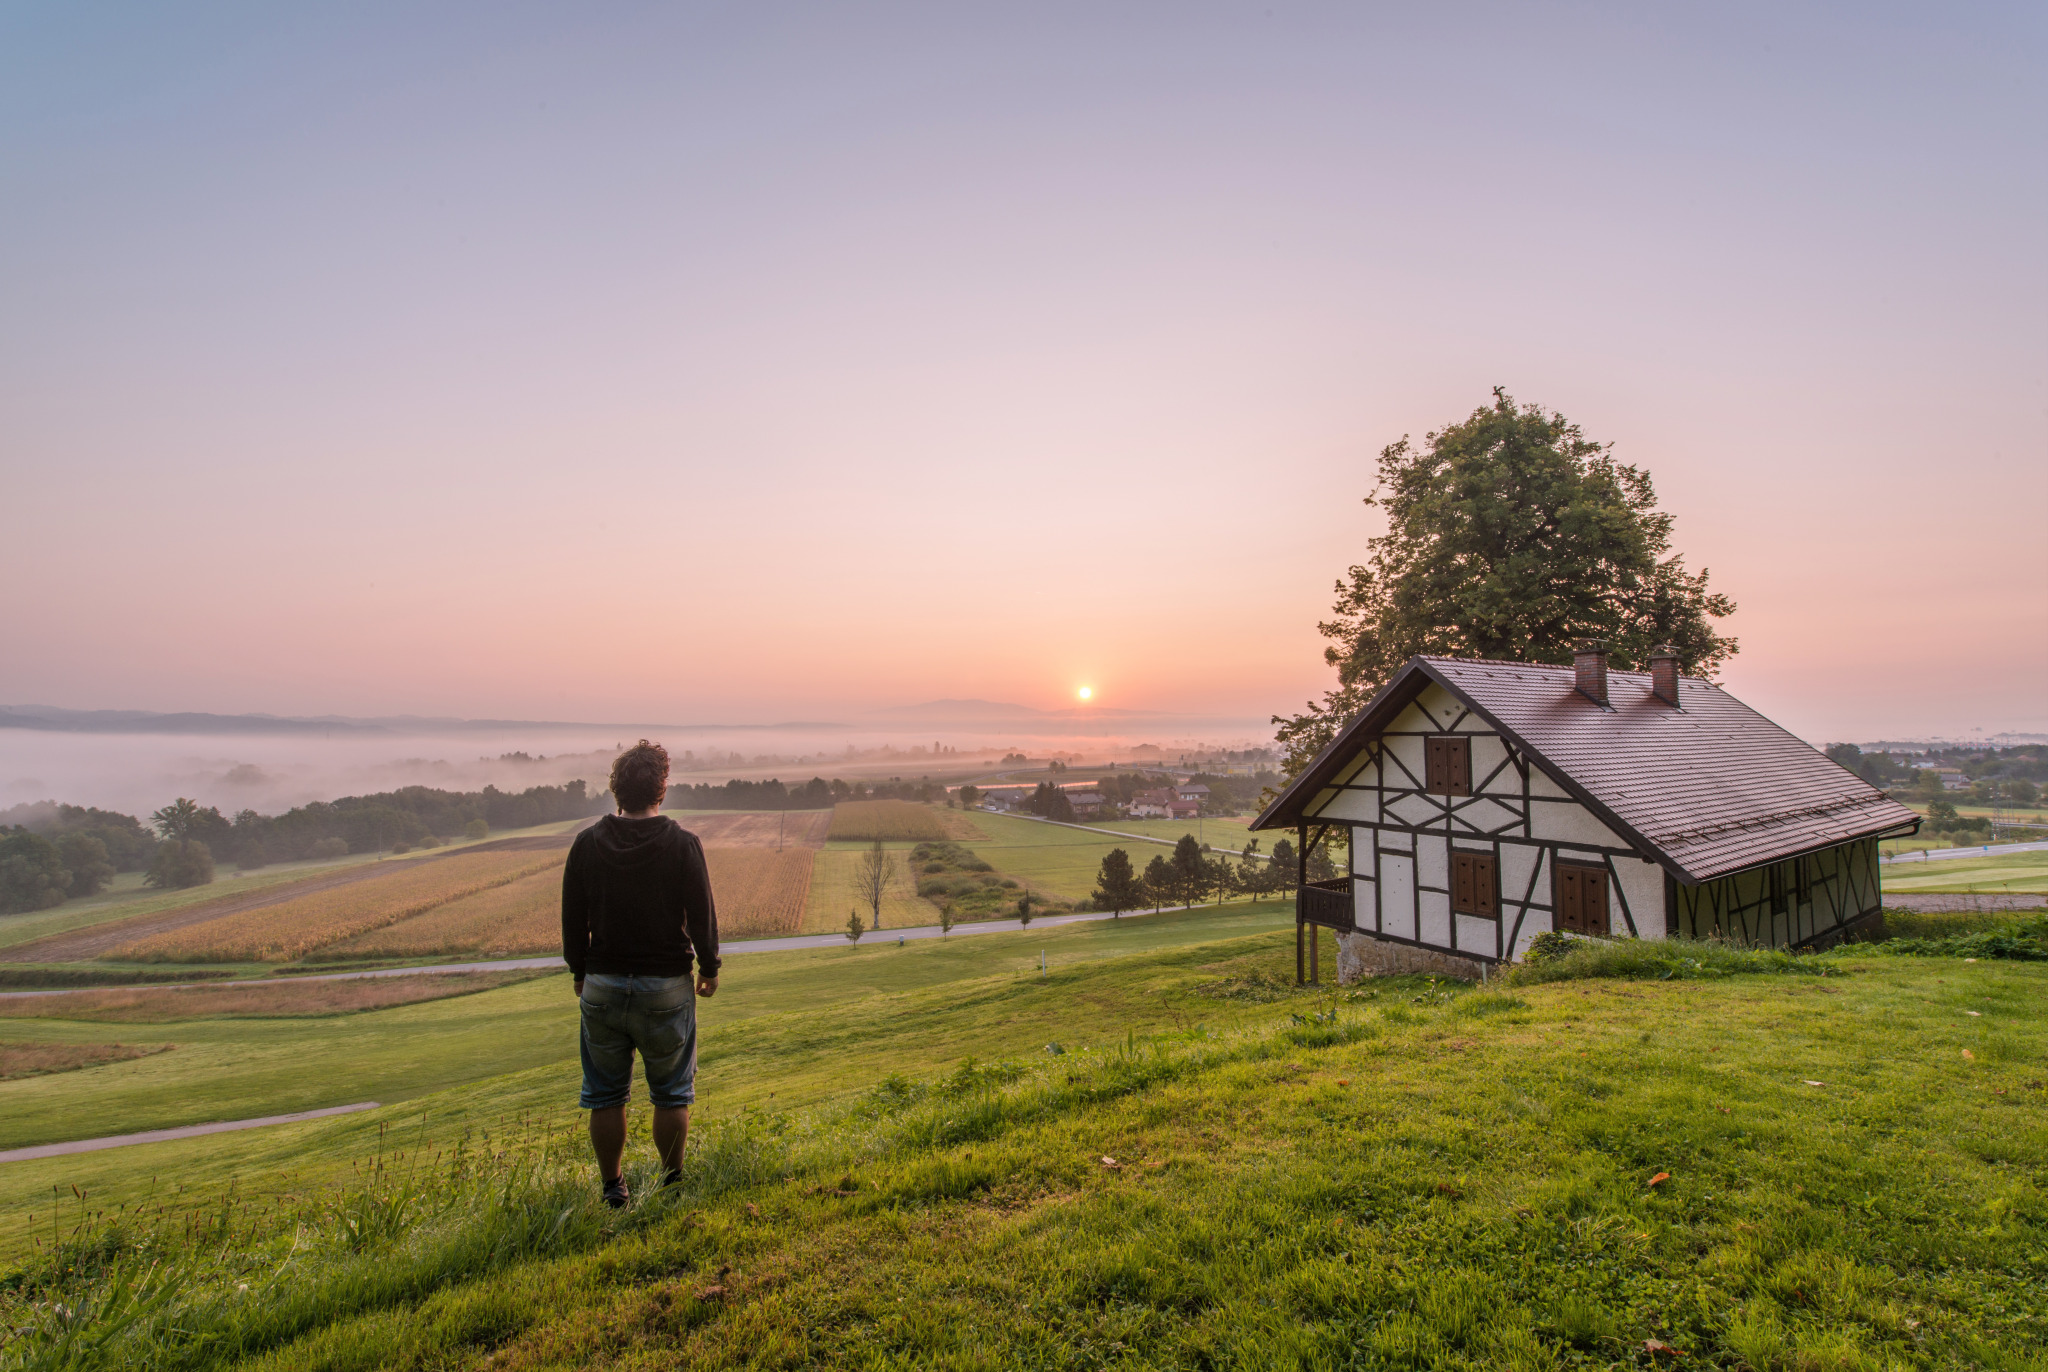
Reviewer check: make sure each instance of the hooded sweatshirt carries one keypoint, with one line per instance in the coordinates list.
(636, 900)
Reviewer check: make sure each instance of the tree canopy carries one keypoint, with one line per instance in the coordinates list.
(1510, 535)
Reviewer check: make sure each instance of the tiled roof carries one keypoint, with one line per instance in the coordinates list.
(1708, 789)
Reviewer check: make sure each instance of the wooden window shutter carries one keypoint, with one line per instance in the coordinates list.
(1458, 759)
(1436, 765)
(1581, 899)
(1472, 884)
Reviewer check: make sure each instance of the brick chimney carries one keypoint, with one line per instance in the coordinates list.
(1664, 673)
(1589, 667)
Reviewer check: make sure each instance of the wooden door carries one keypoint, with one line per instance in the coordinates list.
(1581, 898)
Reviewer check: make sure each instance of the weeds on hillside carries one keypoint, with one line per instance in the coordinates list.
(1570, 959)
(2019, 941)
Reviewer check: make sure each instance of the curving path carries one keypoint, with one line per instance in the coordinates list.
(189, 1131)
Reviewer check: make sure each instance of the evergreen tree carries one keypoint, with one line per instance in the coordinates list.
(1190, 870)
(1118, 886)
(1159, 882)
(1285, 866)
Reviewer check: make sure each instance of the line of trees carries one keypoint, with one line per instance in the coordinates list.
(1193, 873)
(50, 853)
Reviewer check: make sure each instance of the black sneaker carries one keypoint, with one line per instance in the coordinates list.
(615, 1193)
(670, 1177)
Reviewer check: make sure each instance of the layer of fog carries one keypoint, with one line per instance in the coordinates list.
(137, 773)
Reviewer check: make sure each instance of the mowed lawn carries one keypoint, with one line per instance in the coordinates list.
(1757, 1171)
(1993, 874)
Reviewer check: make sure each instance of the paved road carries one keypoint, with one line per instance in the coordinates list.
(190, 1131)
(1982, 850)
(758, 945)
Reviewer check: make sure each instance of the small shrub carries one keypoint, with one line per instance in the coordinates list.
(475, 829)
(329, 848)
(2022, 941)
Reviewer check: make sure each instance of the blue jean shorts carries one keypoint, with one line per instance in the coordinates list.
(655, 1015)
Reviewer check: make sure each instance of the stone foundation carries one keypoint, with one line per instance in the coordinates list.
(1362, 955)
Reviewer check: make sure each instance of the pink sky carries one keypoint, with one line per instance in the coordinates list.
(702, 364)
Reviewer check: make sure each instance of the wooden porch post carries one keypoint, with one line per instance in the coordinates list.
(1299, 978)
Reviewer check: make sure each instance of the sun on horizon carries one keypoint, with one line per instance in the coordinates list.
(1086, 693)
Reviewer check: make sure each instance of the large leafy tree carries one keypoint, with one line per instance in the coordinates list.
(1510, 535)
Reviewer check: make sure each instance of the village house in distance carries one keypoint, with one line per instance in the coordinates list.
(1489, 802)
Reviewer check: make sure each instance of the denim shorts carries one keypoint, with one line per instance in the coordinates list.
(657, 1016)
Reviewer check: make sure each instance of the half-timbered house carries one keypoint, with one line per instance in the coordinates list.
(1488, 802)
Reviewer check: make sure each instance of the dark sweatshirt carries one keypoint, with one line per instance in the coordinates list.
(636, 899)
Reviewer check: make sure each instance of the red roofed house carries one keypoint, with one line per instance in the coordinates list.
(1488, 802)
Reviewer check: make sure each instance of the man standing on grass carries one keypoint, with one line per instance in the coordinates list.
(636, 903)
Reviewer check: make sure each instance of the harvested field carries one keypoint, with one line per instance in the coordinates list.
(523, 916)
(101, 939)
(294, 928)
(41, 1059)
(888, 820)
(760, 892)
(788, 828)
(302, 1000)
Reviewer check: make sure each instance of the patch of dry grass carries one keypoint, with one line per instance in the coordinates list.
(888, 820)
(41, 1059)
(520, 917)
(278, 933)
(760, 892)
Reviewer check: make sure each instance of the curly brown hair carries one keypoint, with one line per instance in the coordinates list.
(640, 776)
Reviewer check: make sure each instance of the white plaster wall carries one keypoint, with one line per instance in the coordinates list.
(1488, 815)
(1570, 823)
(1516, 864)
(1397, 894)
(1476, 935)
(1362, 806)
(1541, 784)
(1488, 752)
(1643, 883)
(1436, 919)
(1432, 861)
(1414, 809)
(1397, 840)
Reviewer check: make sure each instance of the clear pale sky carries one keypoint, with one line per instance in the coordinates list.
(751, 362)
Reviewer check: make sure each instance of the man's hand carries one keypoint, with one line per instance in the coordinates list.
(579, 988)
(707, 987)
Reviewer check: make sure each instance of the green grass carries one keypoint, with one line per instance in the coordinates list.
(1992, 874)
(1400, 1176)
(780, 1028)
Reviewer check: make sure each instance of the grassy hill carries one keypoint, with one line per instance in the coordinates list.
(1157, 1155)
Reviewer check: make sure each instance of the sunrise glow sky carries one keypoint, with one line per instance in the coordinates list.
(754, 362)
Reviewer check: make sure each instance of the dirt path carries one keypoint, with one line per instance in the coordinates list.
(76, 945)
(190, 1131)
